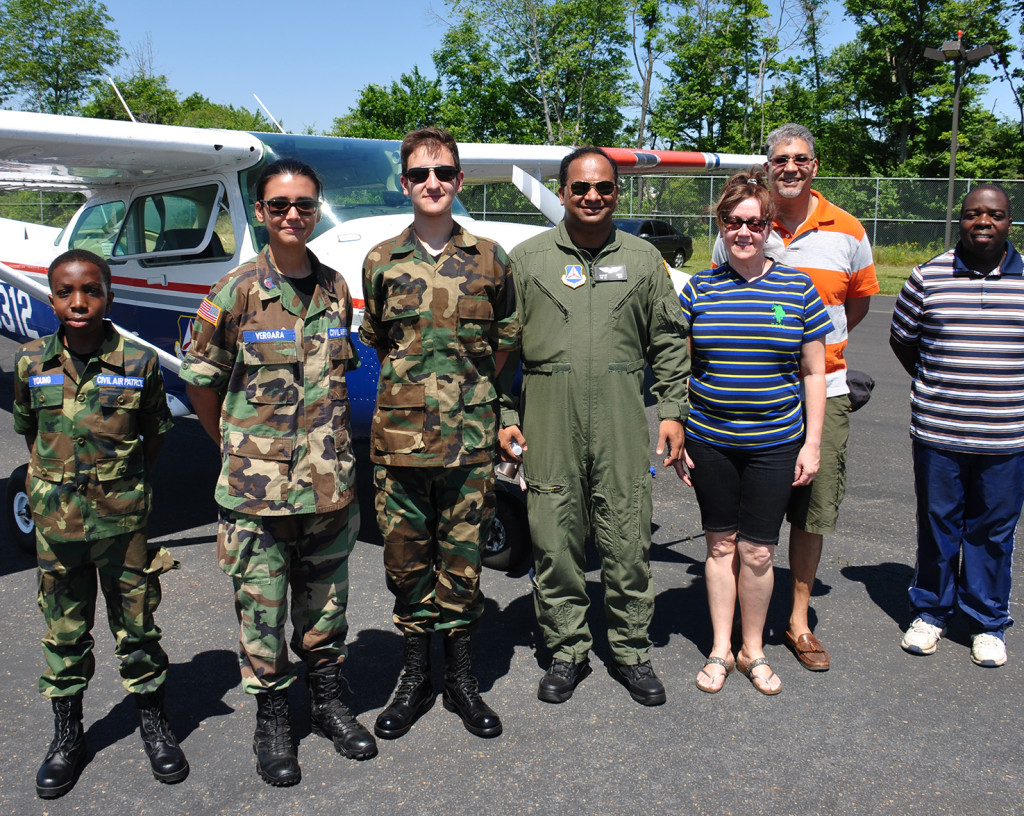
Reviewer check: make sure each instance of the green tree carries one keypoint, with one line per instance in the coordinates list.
(149, 98)
(198, 111)
(649, 45)
(1014, 75)
(565, 58)
(819, 96)
(706, 96)
(413, 101)
(51, 51)
(900, 87)
(480, 103)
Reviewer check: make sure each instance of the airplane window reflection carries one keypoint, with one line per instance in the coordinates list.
(97, 228)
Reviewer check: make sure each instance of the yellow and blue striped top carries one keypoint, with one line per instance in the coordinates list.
(747, 339)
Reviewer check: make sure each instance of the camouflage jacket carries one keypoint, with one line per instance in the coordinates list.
(439, 325)
(87, 474)
(285, 438)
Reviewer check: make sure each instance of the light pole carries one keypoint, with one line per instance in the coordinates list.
(954, 51)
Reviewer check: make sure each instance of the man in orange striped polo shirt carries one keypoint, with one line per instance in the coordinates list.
(831, 246)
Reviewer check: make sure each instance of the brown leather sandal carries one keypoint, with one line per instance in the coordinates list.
(715, 661)
(748, 670)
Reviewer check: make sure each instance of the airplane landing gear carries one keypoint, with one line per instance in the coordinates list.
(19, 514)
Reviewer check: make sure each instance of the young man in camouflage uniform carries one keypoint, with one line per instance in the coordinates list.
(92, 407)
(438, 308)
(266, 377)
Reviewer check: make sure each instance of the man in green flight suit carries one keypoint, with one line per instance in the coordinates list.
(595, 305)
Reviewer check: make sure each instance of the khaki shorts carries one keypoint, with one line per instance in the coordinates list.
(815, 507)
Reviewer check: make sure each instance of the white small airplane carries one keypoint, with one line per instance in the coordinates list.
(171, 208)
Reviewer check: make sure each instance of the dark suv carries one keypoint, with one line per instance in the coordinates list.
(674, 247)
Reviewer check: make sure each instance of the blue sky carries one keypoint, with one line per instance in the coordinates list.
(308, 60)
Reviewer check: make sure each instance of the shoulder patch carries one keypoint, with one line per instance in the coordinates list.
(208, 312)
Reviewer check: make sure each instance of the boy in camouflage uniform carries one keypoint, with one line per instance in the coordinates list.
(266, 377)
(439, 305)
(92, 408)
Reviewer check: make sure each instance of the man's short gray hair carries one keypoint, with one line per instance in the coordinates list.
(785, 134)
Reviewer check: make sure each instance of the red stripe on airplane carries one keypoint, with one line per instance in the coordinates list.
(199, 289)
(177, 287)
(626, 157)
(39, 270)
(193, 288)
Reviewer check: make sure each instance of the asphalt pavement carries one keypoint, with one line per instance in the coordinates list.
(881, 733)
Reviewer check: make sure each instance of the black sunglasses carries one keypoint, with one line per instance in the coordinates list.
(732, 223)
(280, 206)
(442, 172)
(581, 188)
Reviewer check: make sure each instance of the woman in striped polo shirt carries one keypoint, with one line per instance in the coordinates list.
(757, 330)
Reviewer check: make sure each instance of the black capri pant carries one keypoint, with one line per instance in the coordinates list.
(742, 489)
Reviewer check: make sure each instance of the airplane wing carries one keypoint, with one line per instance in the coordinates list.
(496, 162)
(45, 152)
(527, 166)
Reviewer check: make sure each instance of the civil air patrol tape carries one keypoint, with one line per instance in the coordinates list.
(119, 381)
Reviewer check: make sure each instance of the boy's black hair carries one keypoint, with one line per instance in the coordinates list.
(84, 256)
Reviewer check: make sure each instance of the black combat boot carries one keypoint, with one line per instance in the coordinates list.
(166, 758)
(329, 717)
(414, 696)
(276, 761)
(461, 693)
(59, 771)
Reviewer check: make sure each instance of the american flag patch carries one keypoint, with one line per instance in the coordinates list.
(208, 312)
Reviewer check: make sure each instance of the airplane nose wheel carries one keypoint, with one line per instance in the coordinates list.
(19, 513)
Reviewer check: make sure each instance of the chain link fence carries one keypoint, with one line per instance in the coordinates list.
(908, 213)
(51, 209)
(896, 212)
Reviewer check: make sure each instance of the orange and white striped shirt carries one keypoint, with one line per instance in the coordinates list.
(833, 249)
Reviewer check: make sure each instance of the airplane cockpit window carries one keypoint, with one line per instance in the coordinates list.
(97, 228)
(177, 226)
(361, 178)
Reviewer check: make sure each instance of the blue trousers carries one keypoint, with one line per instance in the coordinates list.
(966, 503)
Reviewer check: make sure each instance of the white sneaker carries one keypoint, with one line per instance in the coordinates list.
(922, 638)
(988, 650)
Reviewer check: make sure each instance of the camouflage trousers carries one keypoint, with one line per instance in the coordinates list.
(434, 522)
(264, 555)
(129, 577)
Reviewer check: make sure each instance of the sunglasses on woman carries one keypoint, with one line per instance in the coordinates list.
(732, 223)
(443, 172)
(280, 206)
